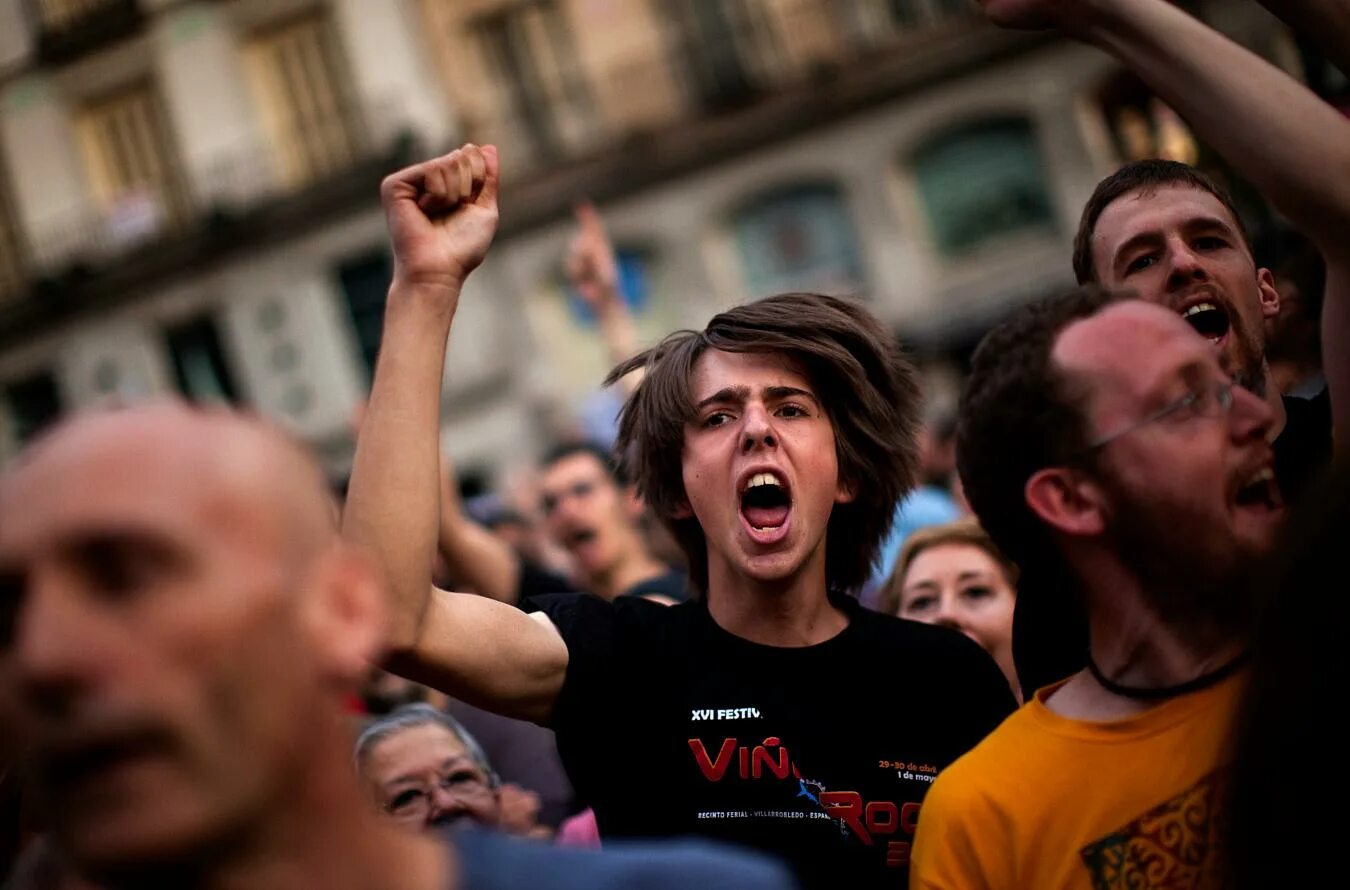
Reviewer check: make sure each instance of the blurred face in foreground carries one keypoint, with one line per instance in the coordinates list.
(173, 631)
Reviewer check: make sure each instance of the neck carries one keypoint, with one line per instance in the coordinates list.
(1134, 646)
(325, 833)
(790, 612)
(635, 566)
(1274, 397)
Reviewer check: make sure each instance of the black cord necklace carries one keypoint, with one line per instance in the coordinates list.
(1156, 693)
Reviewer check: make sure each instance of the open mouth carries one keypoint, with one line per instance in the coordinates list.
(1209, 319)
(765, 504)
(1261, 490)
(579, 538)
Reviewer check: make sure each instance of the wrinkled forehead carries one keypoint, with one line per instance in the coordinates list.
(1119, 358)
(718, 371)
(150, 474)
(1160, 209)
(415, 748)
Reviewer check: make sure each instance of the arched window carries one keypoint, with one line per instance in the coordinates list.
(981, 181)
(799, 238)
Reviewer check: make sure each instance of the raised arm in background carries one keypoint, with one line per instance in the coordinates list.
(593, 271)
(1292, 146)
(442, 216)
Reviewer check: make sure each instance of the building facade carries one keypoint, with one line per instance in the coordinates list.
(189, 190)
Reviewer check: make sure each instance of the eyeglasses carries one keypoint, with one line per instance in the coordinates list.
(1209, 400)
(461, 784)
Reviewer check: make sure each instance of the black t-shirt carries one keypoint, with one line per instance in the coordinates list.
(673, 584)
(1303, 448)
(668, 725)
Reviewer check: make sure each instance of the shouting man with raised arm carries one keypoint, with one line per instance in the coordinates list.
(775, 444)
(1165, 231)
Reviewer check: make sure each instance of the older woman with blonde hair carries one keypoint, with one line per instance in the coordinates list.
(955, 576)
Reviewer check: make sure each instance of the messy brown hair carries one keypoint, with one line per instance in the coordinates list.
(863, 381)
(964, 531)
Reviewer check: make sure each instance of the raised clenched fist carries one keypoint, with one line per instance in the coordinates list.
(442, 216)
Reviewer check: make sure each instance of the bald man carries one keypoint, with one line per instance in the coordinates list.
(178, 624)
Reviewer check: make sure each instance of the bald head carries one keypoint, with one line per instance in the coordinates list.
(176, 598)
(244, 476)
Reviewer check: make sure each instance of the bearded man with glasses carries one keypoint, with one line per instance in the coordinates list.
(1107, 451)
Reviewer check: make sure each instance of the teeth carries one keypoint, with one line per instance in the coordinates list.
(1198, 308)
(762, 479)
(1266, 475)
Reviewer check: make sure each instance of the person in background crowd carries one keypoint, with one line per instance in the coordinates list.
(589, 509)
(775, 443)
(1294, 336)
(425, 770)
(1093, 429)
(953, 575)
(181, 625)
(1166, 232)
(930, 503)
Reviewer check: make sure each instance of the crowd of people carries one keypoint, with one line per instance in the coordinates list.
(783, 633)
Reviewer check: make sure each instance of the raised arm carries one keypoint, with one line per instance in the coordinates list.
(1275, 132)
(593, 271)
(476, 556)
(442, 216)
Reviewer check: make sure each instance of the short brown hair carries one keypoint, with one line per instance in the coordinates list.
(1145, 177)
(1018, 416)
(964, 531)
(863, 381)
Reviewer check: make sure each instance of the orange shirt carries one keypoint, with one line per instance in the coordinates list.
(1047, 802)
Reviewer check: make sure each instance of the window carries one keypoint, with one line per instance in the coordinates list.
(365, 285)
(198, 358)
(34, 403)
(715, 38)
(299, 84)
(981, 182)
(799, 239)
(131, 162)
(530, 52)
(11, 249)
(1142, 126)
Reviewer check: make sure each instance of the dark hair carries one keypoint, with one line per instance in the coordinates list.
(1297, 659)
(863, 381)
(563, 450)
(1145, 177)
(1018, 416)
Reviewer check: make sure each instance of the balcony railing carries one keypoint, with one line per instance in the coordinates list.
(244, 197)
(758, 51)
(67, 29)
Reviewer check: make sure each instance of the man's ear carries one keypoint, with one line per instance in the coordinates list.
(682, 511)
(344, 613)
(846, 491)
(1270, 297)
(1067, 500)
